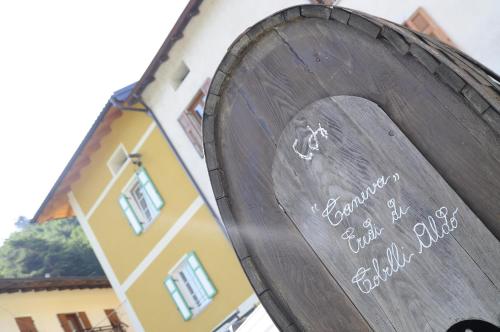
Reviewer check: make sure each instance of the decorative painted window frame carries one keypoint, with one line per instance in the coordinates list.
(191, 121)
(132, 209)
(189, 261)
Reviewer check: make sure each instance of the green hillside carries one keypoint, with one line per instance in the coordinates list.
(58, 248)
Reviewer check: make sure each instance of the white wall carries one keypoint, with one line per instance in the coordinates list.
(474, 26)
(44, 306)
(205, 42)
(258, 321)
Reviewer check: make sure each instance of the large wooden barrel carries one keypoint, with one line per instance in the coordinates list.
(356, 165)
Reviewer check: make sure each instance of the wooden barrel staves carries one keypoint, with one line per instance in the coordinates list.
(356, 165)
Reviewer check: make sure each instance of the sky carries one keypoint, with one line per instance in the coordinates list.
(60, 61)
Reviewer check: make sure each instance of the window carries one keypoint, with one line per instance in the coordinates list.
(325, 2)
(118, 159)
(189, 286)
(113, 318)
(74, 322)
(191, 118)
(191, 121)
(26, 324)
(179, 75)
(140, 201)
(421, 21)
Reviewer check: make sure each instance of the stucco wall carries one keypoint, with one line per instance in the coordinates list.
(108, 221)
(471, 25)
(151, 300)
(137, 265)
(44, 306)
(205, 42)
(94, 179)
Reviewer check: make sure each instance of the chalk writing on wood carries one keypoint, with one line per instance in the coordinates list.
(378, 215)
(312, 142)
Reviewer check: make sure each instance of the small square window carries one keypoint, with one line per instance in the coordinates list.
(117, 159)
(189, 286)
(179, 75)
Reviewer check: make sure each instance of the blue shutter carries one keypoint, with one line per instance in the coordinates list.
(178, 299)
(201, 275)
(150, 189)
(130, 214)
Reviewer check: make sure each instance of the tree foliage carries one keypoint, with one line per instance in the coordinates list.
(58, 247)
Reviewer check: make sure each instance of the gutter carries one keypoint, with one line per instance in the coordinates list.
(116, 103)
(181, 161)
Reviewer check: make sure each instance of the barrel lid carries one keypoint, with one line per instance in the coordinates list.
(355, 166)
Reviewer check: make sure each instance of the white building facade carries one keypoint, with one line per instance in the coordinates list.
(181, 81)
(205, 42)
(177, 86)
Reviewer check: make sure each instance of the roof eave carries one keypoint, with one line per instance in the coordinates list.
(71, 162)
(177, 32)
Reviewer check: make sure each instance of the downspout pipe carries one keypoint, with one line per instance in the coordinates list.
(150, 112)
(116, 103)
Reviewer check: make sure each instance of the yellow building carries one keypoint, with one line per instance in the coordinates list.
(159, 243)
(60, 304)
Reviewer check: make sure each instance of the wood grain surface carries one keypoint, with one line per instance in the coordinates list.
(301, 56)
(443, 265)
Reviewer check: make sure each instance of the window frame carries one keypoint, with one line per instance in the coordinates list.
(185, 288)
(432, 29)
(141, 202)
(111, 161)
(138, 211)
(325, 2)
(191, 121)
(113, 318)
(26, 324)
(79, 318)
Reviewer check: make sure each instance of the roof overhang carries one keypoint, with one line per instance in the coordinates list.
(56, 204)
(177, 32)
(47, 284)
